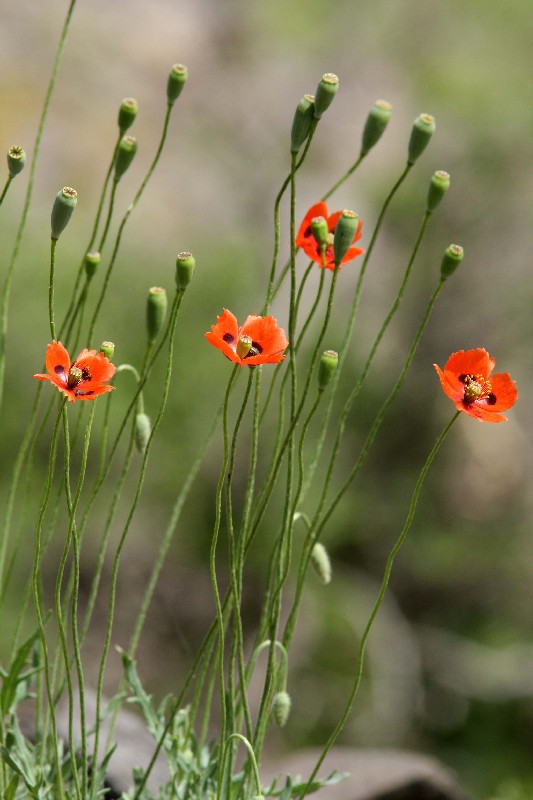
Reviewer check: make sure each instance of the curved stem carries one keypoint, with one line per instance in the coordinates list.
(53, 243)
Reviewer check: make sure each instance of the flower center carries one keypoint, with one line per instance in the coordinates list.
(74, 377)
(477, 388)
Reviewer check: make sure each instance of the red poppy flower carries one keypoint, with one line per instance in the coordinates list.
(82, 379)
(309, 244)
(258, 341)
(465, 380)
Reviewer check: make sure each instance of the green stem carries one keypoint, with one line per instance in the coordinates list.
(384, 584)
(6, 187)
(53, 243)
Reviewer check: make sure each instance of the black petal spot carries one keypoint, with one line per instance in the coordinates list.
(491, 399)
(59, 370)
(85, 374)
(462, 378)
(229, 338)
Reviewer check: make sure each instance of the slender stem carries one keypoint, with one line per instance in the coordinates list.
(6, 187)
(384, 584)
(38, 607)
(53, 243)
(251, 755)
(6, 289)
(343, 178)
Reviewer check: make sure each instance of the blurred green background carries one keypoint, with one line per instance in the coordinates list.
(450, 666)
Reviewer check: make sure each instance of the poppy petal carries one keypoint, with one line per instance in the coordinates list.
(57, 361)
(470, 362)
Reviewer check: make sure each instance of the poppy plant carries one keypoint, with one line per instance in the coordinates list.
(258, 341)
(466, 380)
(309, 244)
(82, 379)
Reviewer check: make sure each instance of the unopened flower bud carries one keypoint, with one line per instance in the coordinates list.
(244, 345)
(16, 158)
(64, 205)
(125, 154)
(185, 264)
(422, 131)
(319, 229)
(143, 428)
(108, 349)
(92, 260)
(301, 124)
(321, 563)
(156, 311)
(376, 122)
(325, 93)
(452, 258)
(176, 81)
(440, 183)
(345, 231)
(281, 707)
(127, 113)
(328, 365)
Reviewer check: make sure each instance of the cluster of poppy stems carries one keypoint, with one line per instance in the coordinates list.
(466, 378)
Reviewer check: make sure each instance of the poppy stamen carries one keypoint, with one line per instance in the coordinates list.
(476, 388)
(75, 375)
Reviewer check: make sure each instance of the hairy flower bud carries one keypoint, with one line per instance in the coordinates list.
(127, 113)
(452, 258)
(64, 205)
(156, 311)
(92, 261)
(281, 707)
(328, 364)
(143, 428)
(301, 123)
(325, 93)
(16, 158)
(108, 349)
(176, 81)
(321, 563)
(376, 122)
(422, 131)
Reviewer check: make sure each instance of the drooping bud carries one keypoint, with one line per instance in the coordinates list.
(281, 707)
(176, 81)
(422, 131)
(185, 264)
(325, 93)
(16, 158)
(125, 154)
(127, 113)
(156, 311)
(244, 345)
(108, 349)
(345, 231)
(64, 205)
(452, 258)
(376, 122)
(143, 428)
(301, 124)
(92, 260)
(321, 563)
(319, 229)
(328, 364)
(440, 183)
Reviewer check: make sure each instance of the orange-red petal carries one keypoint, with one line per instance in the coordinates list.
(470, 362)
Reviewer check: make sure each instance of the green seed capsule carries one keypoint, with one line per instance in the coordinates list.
(127, 113)
(176, 81)
(143, 428)
(185, 264)
(125, 154)
(319, 229)
(321, 563)
(422, 131)
(92, 260)
(328, 364)
(301, 124)
(64, 205)
(376, 122)
(108, 349)
(452, 258)
(325, 93)
(345, 231)
(156, 311)
(16, 158)
(440, 183)
(281, 707)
